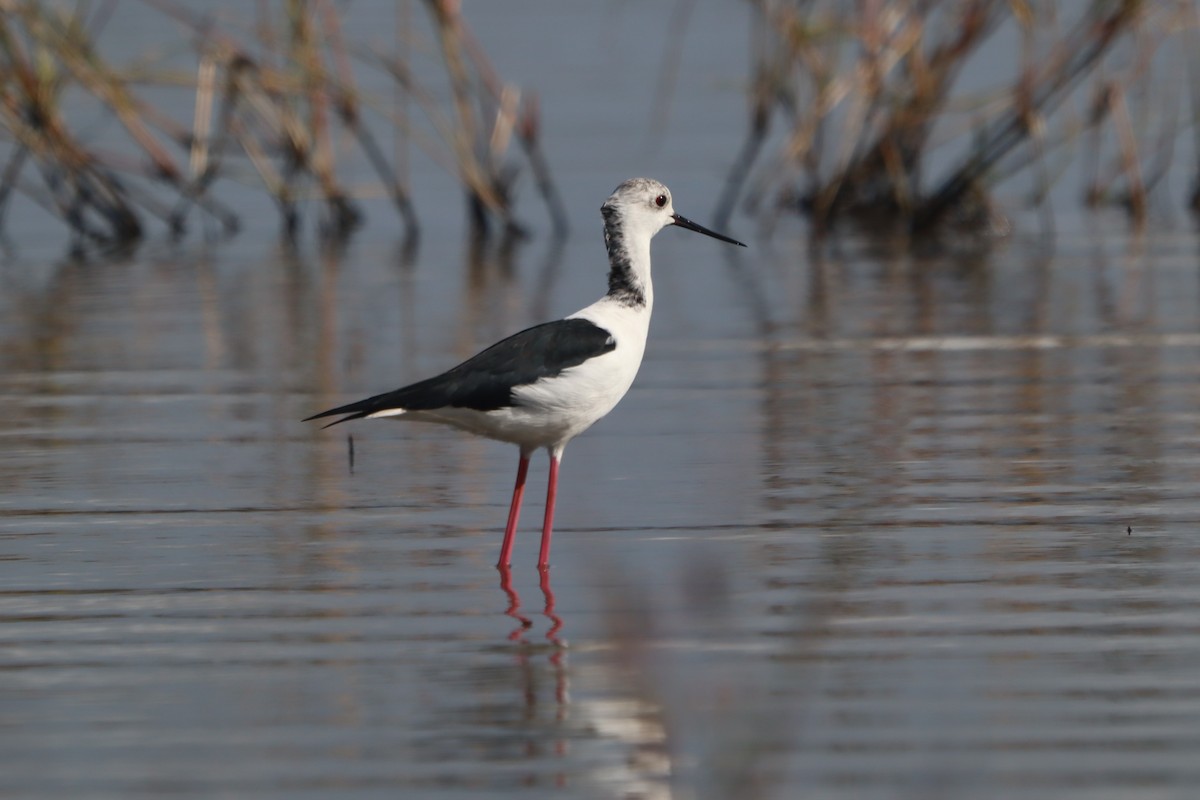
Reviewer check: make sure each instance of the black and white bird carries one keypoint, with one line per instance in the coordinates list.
(544, 386)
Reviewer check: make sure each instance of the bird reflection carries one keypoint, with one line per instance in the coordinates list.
(514, 605)
(556, 622)
(529, 674)
(525, 623)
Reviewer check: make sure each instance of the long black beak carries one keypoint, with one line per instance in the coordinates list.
(684, 222)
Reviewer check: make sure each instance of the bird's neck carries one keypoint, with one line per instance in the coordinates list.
(629, 264)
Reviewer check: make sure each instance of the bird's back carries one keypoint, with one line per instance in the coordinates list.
(552, 410)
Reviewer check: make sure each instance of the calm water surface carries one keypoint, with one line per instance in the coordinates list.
(865, 535)
(869, 524)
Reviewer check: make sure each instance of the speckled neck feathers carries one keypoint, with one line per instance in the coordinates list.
(625, 285)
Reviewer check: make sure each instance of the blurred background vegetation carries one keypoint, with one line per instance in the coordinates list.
(856, 113)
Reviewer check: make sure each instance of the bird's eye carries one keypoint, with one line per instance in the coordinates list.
(660, 201)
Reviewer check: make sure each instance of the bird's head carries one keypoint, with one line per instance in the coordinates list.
(642, 207)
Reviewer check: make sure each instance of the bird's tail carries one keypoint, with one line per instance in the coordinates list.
(372, 406)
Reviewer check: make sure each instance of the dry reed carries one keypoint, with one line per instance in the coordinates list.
(280, 95)
(861, 88)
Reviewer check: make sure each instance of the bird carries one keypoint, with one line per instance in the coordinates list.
(542, 387)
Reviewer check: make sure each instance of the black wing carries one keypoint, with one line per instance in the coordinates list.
(485, 381)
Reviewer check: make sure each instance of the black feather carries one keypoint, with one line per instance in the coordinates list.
(485, 382)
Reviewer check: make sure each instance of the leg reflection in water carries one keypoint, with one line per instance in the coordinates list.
(514, 608)
(525, 624)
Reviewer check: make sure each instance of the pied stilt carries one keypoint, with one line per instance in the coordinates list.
(544, 386)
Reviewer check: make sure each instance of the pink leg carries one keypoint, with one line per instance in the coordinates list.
(514, 513)
(548, 522)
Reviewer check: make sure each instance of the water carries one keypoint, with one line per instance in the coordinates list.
(869, 524)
